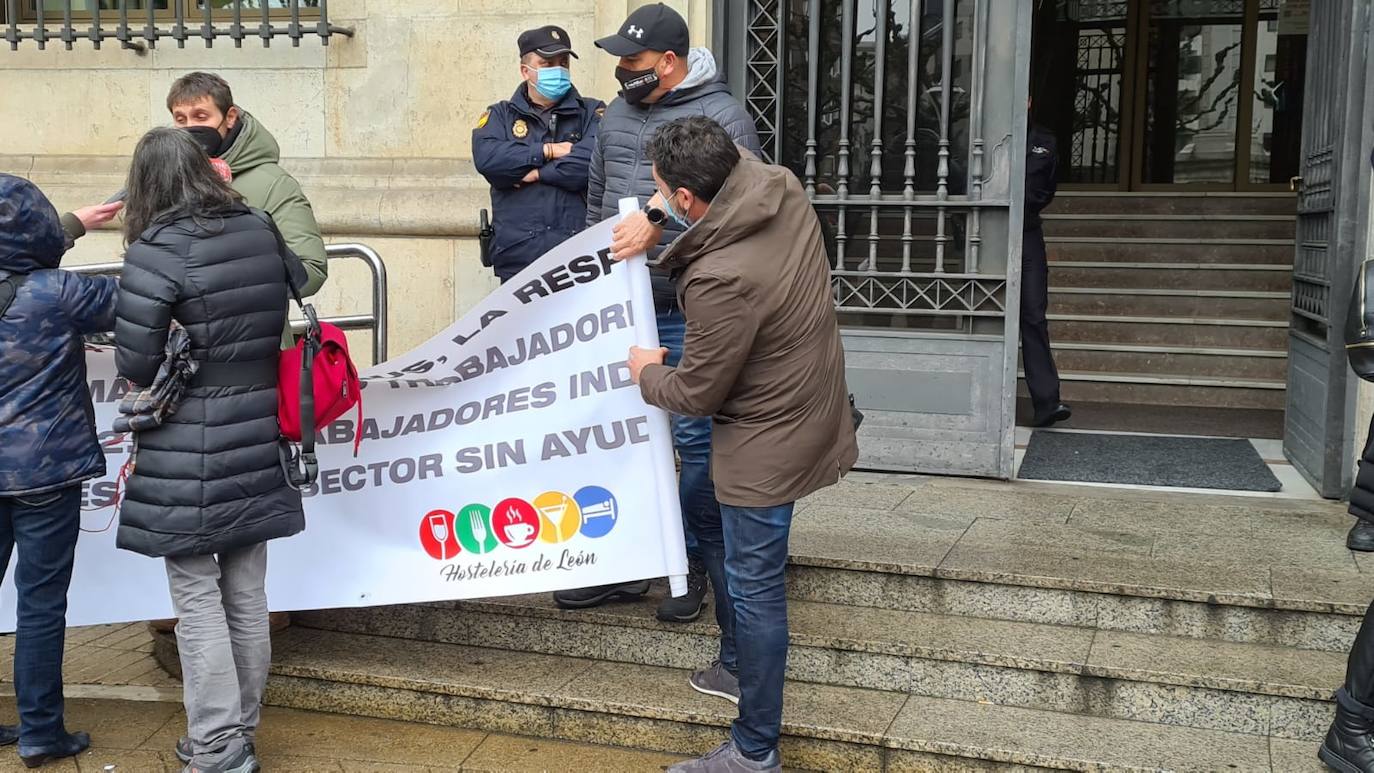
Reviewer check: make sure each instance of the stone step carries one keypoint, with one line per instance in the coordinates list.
(824, 728)
(1156, 389)
(1209, 684)
(1237, 569)
(1179, 276)
(1166, 250)
(1194, 204)
(1177, 331)
(1167, 420)
(1245, 364)
(1137, 302)
(1199, 227)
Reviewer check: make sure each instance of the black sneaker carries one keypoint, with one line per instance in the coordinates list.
(69, 745)
(586, 598)
(686, 608)
(9, 735)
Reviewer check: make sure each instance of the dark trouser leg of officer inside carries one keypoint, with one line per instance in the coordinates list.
(1361, 536)
(1042, 378)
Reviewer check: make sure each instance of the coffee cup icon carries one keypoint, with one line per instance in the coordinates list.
(515, 522)
(519, 534)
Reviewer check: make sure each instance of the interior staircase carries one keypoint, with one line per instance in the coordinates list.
(1172, 305)
(940, 625)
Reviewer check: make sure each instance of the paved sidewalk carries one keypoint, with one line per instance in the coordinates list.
(132, 709)
(138, 737)
(106, 656)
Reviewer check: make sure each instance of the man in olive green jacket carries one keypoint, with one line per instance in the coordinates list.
(203, 104)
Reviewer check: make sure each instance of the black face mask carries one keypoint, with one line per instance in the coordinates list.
(636, 84)
(209, 139)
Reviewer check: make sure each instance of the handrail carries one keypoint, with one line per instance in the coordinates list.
(375, 322)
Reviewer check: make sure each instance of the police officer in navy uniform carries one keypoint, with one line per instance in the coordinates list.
(534, 149)
(1042, 378)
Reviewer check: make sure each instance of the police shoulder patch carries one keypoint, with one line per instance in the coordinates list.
(601, 112)
(482, 122)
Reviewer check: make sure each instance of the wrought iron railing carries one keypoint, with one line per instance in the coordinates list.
(137, 28)
(881, 118)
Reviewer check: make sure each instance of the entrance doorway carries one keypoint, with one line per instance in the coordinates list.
(1179, 127)
(1166, 94)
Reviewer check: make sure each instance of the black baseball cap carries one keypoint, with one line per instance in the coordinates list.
(651, 28)
(548, 41)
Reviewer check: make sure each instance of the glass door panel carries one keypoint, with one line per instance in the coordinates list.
(1280, 69)
(1192, 91)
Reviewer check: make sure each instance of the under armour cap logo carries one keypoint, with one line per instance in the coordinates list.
(638, 32)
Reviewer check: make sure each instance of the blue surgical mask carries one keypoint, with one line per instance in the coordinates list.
(553, 82)
(672, 212)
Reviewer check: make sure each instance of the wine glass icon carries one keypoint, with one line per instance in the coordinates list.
(438, 526)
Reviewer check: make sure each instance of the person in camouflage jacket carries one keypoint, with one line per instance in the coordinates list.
(47, 449)
(47, 431)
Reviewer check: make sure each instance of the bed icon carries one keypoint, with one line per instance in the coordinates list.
(600, 511)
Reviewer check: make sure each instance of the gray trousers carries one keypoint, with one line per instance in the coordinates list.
(223, 638)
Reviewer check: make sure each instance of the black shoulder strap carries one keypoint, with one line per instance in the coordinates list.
(309, 462)
(9, 288)
(282, 251)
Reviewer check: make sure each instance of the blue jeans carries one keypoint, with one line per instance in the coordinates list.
(692, 440)
(45, 527)
(754, 636)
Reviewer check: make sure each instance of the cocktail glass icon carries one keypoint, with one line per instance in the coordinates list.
(554, 513)
(438, 526)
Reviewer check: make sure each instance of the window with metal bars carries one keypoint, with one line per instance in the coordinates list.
(139, 24)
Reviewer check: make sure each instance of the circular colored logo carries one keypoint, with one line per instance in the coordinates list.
(473, 524)
(515, 522)
(559, 516)
(599, 511)
(437, 535)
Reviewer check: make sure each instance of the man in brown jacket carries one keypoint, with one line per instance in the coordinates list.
(762, 357)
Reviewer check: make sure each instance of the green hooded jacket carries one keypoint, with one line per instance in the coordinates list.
(254, 159)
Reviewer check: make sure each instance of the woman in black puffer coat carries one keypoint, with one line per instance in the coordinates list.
(207, 489)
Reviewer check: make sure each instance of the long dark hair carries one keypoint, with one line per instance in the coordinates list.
(170, 178)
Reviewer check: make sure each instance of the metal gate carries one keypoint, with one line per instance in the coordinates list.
(906, 120)
(1333, 206)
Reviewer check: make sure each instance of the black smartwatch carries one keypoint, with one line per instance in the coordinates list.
(656, 216)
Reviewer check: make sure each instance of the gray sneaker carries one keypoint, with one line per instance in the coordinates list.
(242, 761)
(716, 680)
(727, 759)
(185, 751)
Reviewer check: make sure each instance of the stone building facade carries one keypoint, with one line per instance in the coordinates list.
(376, 127)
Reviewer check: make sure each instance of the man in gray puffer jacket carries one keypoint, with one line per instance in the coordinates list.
(662, 79)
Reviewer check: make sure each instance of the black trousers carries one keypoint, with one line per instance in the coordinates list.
(1362, 495)
(1359, 669)
(1042, 378)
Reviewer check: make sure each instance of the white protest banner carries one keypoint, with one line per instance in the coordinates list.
(509, 454)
